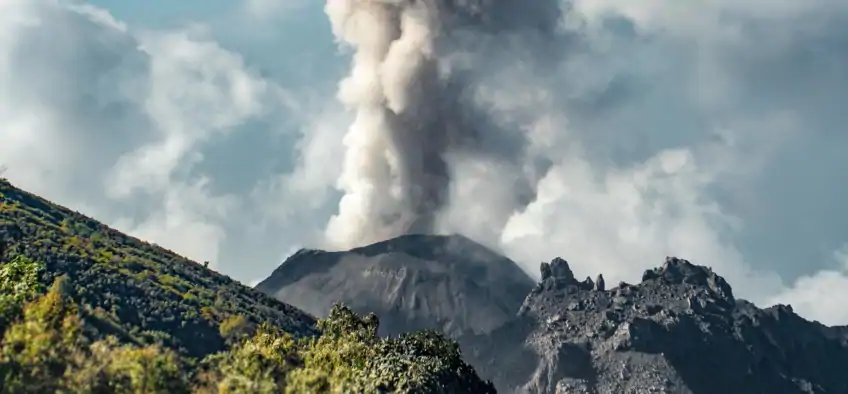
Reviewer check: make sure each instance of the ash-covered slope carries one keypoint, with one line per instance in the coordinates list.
(678, 331)
(412, 282)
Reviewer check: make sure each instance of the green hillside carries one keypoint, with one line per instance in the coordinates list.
(134, 290)
(87, 309)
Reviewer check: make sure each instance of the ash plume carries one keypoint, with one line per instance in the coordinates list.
(408, 109)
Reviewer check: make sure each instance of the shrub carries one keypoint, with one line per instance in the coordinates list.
(45, 348)
(18, 284)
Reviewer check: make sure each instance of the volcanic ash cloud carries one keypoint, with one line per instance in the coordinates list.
(394, 175)
(409, 115)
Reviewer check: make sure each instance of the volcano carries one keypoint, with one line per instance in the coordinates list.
(413, 282)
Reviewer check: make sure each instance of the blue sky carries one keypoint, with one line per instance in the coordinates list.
(161, 13)
(714, 131)
(303, 30)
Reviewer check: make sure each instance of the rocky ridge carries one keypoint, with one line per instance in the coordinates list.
(680, 330)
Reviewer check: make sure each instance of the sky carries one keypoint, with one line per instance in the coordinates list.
(712, 130)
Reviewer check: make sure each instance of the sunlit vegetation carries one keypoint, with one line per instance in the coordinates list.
(44, 350)
(87, 309)
(133, 290)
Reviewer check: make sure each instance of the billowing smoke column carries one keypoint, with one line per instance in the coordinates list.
(394, 174)
(395, 177)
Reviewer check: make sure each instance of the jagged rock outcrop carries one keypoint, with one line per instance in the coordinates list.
(678, 331)
(599, 283)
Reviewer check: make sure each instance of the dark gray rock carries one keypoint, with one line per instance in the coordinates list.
(413, 282)
(561, 271)
(546, 271)
(678, 331)
(679, 271)
(599, 283)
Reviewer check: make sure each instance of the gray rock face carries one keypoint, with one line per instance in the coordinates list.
(413, 282)
(678, 331)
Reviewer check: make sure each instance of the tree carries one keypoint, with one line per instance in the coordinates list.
(234, 328)
(350, 357)
(46, 346)
(46, 352)
(36, 351)
(257, 365)
(18, 285)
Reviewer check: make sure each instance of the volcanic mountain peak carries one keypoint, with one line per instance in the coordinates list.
(456, 252)
(445, 282)
(431, 247)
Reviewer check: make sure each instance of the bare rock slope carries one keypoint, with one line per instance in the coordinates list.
(678, 331)
(413, 282)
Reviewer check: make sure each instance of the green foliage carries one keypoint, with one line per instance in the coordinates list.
(36, 350)
(350, 357)
(144, 294)
(46, 351)
(114, 368)
(18, 284)
(234, 328)
(257, 365)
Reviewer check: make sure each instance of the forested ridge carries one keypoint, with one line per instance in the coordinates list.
(132, 289)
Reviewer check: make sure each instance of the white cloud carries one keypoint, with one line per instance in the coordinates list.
(115, 121)
(672, 129)
(188, 222)
(821, 296)
(196, 90)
